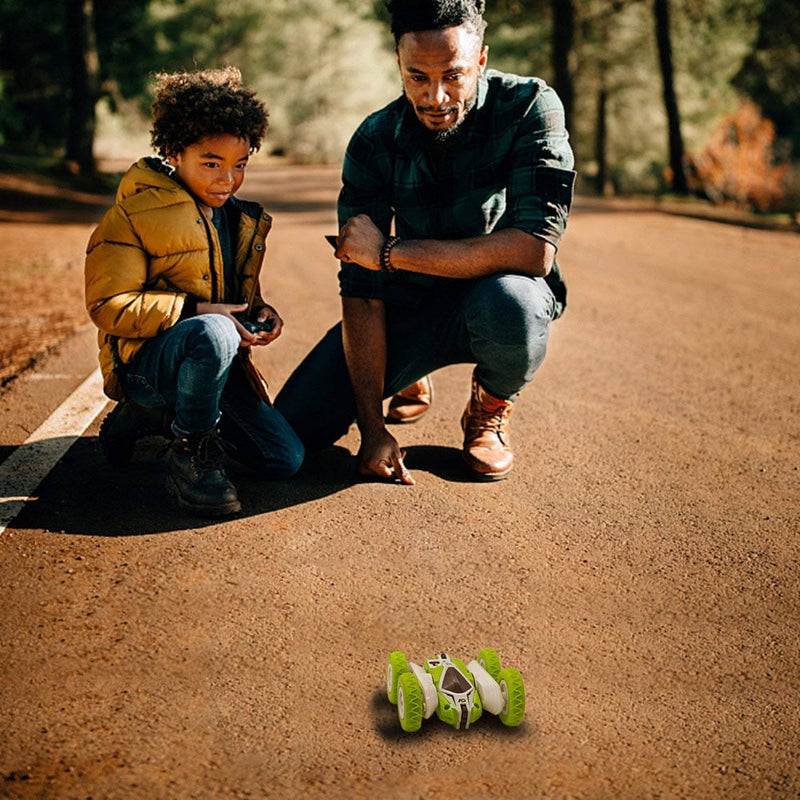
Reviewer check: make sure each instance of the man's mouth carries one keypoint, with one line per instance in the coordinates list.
(438, 115)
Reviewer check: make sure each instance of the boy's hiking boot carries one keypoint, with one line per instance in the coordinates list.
(487, 451)
(196, 477)
(410, 404)
(128, 422)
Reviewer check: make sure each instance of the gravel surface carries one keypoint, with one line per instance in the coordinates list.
(639, 567)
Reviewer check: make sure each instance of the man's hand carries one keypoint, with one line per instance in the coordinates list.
(381, 457)
(360, 242)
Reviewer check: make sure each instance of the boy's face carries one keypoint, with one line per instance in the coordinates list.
(213, 168)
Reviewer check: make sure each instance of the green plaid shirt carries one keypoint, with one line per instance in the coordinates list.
(511, 167)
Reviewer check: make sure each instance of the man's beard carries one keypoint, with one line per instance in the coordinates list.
(441, 136)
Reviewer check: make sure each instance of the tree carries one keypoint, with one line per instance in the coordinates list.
(679, 183)
(770, 74)
(563, 56)
(84, 84)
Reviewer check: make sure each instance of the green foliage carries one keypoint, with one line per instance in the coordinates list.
(518, 35)
(33, 66)
(322, 65)
(770, 74)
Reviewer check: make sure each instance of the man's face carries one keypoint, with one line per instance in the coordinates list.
(440, 71)
(213, 168)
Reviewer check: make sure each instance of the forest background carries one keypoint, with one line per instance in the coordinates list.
(688, 97)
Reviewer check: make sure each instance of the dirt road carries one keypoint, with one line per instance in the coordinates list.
(639, 567)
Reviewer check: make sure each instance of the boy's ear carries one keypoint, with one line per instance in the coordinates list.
(172, 158)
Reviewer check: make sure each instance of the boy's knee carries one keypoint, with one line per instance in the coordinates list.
(215, 333)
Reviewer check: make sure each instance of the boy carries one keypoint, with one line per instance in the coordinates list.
(172, 283)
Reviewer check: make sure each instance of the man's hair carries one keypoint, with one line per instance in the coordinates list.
(431, 15)
(190, 106)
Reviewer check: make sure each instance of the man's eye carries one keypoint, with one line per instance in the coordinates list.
(456, 76)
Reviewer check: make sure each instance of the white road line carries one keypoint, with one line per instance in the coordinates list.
(23, 471)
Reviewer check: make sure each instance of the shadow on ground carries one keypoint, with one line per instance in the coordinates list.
(84, 496)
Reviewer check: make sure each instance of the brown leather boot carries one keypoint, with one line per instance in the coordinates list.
(487, 451)
(410, 404)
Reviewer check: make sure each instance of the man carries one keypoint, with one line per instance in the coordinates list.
(474, 169)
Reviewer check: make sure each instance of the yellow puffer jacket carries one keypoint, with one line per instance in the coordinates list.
(150, 252)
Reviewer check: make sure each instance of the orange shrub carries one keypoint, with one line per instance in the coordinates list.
(737, 164)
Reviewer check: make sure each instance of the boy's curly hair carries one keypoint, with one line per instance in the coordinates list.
(430, 15)
(189, 106)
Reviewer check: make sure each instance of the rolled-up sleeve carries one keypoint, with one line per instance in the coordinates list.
(363, 192)
(542, 178)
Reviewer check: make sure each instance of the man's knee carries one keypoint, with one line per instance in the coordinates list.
(511, 309)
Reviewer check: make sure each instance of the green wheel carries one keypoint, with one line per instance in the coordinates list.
(395, 667)
(513, 692)
(409, 702)
(490, 661)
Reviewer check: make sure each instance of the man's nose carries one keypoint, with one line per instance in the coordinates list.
(437, 93)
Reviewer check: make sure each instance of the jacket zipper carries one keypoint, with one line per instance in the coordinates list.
(211, 265)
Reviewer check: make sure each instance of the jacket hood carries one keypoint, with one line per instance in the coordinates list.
(147, 173)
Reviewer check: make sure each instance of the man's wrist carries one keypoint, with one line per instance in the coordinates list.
(385, 258)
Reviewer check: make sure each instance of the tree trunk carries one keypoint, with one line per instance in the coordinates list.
(679, 184)
(84, 80)
(601, 139)
(563, 56)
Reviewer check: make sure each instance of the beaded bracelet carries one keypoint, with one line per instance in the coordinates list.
(386, 264)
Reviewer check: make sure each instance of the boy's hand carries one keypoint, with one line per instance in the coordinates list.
(231, 310)
(267, 314)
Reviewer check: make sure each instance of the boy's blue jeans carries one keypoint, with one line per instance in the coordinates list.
(500, 323)
(188, 368)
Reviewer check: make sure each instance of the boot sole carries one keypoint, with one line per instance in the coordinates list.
(486, 477)
(390, 420)
(225, 510)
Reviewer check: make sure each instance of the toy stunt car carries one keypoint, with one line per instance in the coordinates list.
(458, 694)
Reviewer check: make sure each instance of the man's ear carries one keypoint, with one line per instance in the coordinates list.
(483, 58)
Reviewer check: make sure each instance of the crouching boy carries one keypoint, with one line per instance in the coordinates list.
(172, 283)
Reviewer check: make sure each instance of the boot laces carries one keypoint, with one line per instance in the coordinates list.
(209, 452)
(481, 418)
